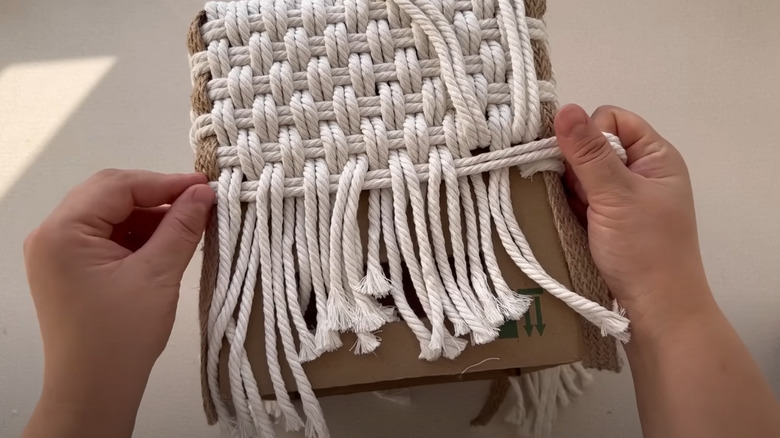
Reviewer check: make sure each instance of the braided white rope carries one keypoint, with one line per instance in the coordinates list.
(316, 101)
(237, 358)
(520, 155)
(396, 290)
(216, 328)
(375, 283)
(460, 292)
(324, 339)
(431, 302)
(269, 212)
(292, 161)
(315, 421)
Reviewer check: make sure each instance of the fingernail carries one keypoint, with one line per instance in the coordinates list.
(203, 194)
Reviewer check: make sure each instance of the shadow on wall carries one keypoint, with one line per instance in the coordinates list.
(94, 85)
(129, 65)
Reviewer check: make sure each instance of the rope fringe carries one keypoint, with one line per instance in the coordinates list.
(538, 396)
(302, 105)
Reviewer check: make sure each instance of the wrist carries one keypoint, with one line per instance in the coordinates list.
(81, 415)
(73, 416)
(85, 403)
(671, 307)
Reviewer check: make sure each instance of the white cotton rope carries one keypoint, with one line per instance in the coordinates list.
(347, 135)
(520, 155)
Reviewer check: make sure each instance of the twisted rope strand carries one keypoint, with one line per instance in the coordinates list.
(474, 165)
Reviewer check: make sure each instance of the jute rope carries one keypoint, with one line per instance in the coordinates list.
(298, 107)
(600, 351)
(206, 162)
(499, 388)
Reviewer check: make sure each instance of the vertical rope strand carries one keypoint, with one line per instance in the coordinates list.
(271, 280)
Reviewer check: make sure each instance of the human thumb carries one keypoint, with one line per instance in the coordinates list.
(175, 240)
(588, 152)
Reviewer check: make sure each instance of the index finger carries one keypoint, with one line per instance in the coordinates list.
(110, 196)
(638, 137)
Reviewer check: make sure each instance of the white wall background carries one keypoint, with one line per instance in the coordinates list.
(86, 85)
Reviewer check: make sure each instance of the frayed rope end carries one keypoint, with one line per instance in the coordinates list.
(513, 305)
(453, 346)
(369, 315)
(375, 283)
(366, 343)
(340, 313)
(307, 350)
(327, 340)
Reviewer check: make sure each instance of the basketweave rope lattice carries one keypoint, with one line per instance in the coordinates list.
(299, 107)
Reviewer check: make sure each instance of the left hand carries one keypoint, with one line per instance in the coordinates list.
(104, 271)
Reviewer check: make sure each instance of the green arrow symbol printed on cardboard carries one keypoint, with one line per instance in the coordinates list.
(539, 321)
(529, 328)
(528, 325)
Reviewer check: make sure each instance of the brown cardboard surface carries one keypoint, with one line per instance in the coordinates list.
(395, 363)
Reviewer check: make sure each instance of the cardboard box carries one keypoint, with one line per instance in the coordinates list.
(549, 334)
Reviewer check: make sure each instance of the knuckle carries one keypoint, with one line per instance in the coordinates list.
(605, 109)
(666, 153)
(48, 239)
(662, 155)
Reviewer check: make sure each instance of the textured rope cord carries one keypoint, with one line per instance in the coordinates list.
(237, 358)
(292, 161)
(300, 106)
(475, 165)
(268, 212)
(499, 388)
(315, 421)
(472, 317)
(431, 302)
(375, 283)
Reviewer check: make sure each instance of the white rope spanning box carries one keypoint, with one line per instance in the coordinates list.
(315, 102)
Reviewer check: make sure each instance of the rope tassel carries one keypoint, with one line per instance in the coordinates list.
(375, 283)
(461, 293)
(300, 110)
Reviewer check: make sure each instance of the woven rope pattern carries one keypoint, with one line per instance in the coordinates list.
(314, 81)
(298, 107)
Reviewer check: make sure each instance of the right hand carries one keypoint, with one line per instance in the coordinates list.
(639, 215)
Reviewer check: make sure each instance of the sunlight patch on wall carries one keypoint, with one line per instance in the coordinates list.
(36, 99)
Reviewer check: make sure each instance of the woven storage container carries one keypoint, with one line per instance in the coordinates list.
(422, 108)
